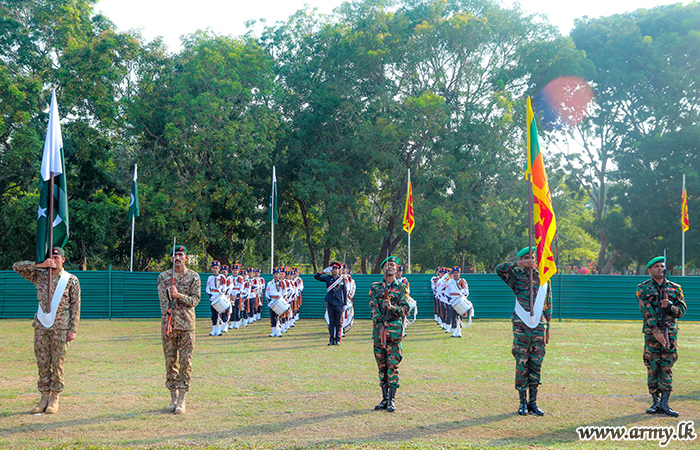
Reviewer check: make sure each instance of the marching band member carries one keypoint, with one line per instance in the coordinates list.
(433, 287)
(260, 292)
(272, 294)
(299, 283)
(245, 297)
(292, 295)
(456, 288)
(351, 288)
(213, 285)
(224, 287)
(444, 300)
(284, 291)
(336, 299)
(235, 284)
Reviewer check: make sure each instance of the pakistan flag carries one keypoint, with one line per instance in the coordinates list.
(52, 168)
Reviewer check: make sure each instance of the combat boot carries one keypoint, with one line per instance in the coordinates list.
(532, 407)
(180, 406)
(390, 405)
(385, 399)
(43, 403)
(52, 407)
(656, 401)
(173, 401)
(663, 405)
(522, 410)
(213, 330)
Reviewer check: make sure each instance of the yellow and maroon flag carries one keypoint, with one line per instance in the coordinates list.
(684, 212)
(545, 222)
(408, 219)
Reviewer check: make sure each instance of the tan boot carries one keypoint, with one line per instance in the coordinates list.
(180, 407)
(41, 407)
(173, 400)
(53, 403)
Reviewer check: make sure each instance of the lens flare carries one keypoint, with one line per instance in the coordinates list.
(565, 101)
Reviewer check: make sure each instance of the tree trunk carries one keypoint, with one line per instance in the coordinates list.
(307, 228)
(609, 265)
(363, 266)
(326, 257)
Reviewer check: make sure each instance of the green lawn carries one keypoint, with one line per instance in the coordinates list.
(258, 392)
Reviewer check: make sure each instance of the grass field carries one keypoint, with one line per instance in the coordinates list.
(295, 392)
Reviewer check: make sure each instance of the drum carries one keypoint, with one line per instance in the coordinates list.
(462, 306)
(280, 306)
(220, 302)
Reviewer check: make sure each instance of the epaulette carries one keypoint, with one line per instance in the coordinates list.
(644, 283)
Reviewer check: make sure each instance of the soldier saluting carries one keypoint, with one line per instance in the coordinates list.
(179, 291)
(336, 299)
(55, 323)
(388, 303)
(661, 302)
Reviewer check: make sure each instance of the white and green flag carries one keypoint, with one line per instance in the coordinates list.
(52, 168)
(273, 216)
(134, 202)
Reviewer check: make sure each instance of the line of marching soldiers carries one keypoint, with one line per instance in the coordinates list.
(450, 294)
(284, 299)
(236, 298)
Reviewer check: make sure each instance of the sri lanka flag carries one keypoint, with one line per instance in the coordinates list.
(543, 214)
(408, 219)
(685, 223)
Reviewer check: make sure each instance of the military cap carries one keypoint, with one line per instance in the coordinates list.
(653, 261)
(525, 251)
(215, 263)
(276, 270)
(456, 269)
(58, 251)
(179, 249)
(224, 267)
(399, 268)
(335, 264)
(391, 258)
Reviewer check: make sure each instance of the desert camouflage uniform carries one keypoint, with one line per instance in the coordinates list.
(659, 360)
(51, 344)
(388, 358)
(181, 339)
(528, 344)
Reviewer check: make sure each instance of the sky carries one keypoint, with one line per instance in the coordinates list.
(174, 18)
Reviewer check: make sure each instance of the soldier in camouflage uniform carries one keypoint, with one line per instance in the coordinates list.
(528, 343)
(177, 303)
(388, 302)
(660, 348)
(51, 342)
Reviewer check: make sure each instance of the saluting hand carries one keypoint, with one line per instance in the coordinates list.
(47, 264)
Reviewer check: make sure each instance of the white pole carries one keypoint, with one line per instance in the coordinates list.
(409, 233)
(683, 234)
(131, 263)
(272, 222)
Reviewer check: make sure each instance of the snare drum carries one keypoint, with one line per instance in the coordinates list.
(280, 306)
(462, 306)
(220, 303)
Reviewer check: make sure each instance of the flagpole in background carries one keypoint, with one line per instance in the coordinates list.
(133, 212)
(408, 219)
(684, 225)
(273, 218)
(409, 233)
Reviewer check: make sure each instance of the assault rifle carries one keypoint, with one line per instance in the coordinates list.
(663, 312)
(169, 328)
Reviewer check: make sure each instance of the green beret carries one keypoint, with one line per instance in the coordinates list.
(653, 261)
(179, 248)
(391, 258)
(525, 251)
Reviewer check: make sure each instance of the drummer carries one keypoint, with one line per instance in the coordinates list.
(272, 294)
(351, 288)
(212, 289)
(456, 289)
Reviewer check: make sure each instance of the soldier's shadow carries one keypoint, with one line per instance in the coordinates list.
(420, 431)
(43, 426)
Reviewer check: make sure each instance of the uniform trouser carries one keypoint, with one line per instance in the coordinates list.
(236, 311)
(528, 351)
(50, 348)
(436, 307)
(335, 315)
(178, 344)
(455, 318)
(273, 318)
(388, 360)
(215, 315)
(659, 362)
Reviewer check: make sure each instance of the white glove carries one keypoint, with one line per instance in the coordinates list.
(327, 270)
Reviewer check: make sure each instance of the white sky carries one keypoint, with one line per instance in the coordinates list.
(174, 18)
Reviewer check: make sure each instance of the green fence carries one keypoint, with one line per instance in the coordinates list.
(117, 294)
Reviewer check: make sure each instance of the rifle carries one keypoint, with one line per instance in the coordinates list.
(169, 328)
(663, 312)
(382, 326)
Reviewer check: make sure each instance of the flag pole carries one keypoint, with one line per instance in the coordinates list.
(131, 263)
(683, 231)
(272, 223)
(409, 232)
(50, 224)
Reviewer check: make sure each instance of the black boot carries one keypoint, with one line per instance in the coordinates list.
(385, 399)
(654, 408)
(390, 405)
(663, 405)
(522, 410)
(532, 407)
(331, 341)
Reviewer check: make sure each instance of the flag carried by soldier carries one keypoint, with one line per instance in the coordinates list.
(52, 216)
(408, 219)
(544, 220)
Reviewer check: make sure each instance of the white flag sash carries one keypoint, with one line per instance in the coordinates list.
(48, 318)
(533, 321)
